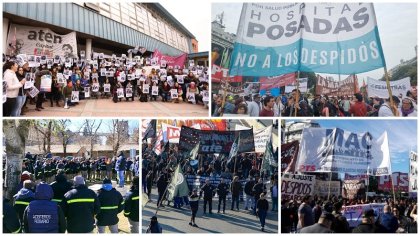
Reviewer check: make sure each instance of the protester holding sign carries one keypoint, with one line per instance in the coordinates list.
(13, 86)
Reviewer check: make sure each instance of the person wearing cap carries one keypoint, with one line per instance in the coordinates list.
(22, 199)
(60, 186)
(131, 206)
(386, 110)
(358, 108)
(323, 226)
(111, 204)
(42, 215)
(262, 209)
(388, 220)
(80, 205)
(154, 227)
(368, 223)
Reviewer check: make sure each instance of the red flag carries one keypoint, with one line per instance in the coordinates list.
(277, 81)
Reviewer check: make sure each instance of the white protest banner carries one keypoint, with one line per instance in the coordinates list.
(354, 213)
(174, 93)
(107, 88)
(191, 97)
(297, 185)
(46, 81)
(379, 89)
(95, 87)
(155, 90)
(337, 150)
(303, 86)
(75, 96)
(4, 91)
(128, 92)
(120, 92)
(33, 92)
(87, 92)
(333, 38)
(60, 78)
(180, 79)
(36, 41)
(323, 187)
(413, 172)
(146, 88)
(205, 95)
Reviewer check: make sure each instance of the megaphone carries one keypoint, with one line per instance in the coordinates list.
(65, 104)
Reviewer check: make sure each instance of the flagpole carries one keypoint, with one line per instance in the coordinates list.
(329, 186)
(388, 86)
(392, 183)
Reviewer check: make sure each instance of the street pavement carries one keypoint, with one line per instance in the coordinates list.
(107, 108)
(175, 220)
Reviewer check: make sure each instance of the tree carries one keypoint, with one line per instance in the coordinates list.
(15, 134)
(46, 129)
(90, 129)
(64, 134)
(117, 131)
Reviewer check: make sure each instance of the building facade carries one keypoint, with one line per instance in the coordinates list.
(109, 28)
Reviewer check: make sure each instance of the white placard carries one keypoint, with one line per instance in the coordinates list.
(120, 92)
(107, 88)
(75, 96)
(155, 90)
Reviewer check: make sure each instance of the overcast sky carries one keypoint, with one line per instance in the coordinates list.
(195, 16)
(397, 23)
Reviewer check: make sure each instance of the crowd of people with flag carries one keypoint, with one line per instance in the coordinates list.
(185, 176)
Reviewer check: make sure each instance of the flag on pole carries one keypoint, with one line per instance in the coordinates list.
(178, 185)
(234, 149)
(268, 158)
(193, 153)
(157, 147)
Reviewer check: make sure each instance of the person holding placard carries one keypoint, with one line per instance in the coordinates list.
(38, 77)
(153, 96)
(55, 94)
(21, 98)
(165, 91)
(67, 90)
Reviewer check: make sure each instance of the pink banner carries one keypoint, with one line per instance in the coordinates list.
(171, 61)
(277, 81)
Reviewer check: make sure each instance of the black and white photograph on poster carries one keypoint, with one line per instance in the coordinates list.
(87, 92)
(82, 54)
(120, 92)
(130, 77)
(153, 62)
(43, 59)
(95, 56)
(185, 71)
(103, 71)
(117, 63)
(67, 62)
(170, 81)
(251, 88)
(56, 59)
(38, 60)
(95, 87)
(148, 61)
(101, 56)
(180, 79)
(33, 91)
(163, 63)
(107, 88)
(155, 90)
(95, 75)
(163, 73)
(121, 78)
(50, 62)
(75, 96)
(191, 97)
(128, 92)
(95, 65)
(205, 95)
(174, 93)
(145, 88)
(142, 78)
(191, 63)
(109, 74)
(60, 78)
(86, 76)
(4, 91)
(46, 81)
(155, 79)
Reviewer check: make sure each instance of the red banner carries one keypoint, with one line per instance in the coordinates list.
(400, 182)
(219, 73)
(336, 88)
(171, 61)
(277, 81)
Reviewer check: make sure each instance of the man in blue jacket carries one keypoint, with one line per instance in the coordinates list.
(388, 220)
(42, 215)
(120, 168)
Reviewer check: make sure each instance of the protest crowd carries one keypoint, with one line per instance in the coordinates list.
(357, 105)
(67, 81)
(316, 214)
(53, 195)
(235, 177)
